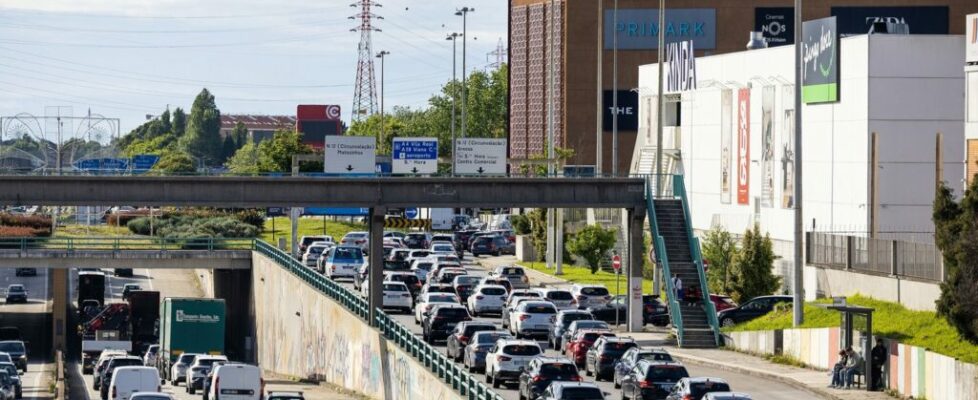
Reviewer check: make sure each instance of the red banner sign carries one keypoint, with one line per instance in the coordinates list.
(743, 146)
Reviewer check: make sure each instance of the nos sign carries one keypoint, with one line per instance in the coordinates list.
(627, 110)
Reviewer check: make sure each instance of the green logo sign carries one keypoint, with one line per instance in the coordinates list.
(820, 52)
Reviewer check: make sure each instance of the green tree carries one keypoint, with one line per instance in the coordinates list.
(275, 155)
(165, 121)
(592, 244)
(228, 148)
(174, 162)
(752, 272)
(245, 161)
(239, 135)
(203, 136)
(956, 234)
(719, 250)
(538, 232)
(179, 122)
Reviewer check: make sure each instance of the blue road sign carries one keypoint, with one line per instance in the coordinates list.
(103, 164)
(411, 213)
(415, 155)
(144, 162)
(350, 212)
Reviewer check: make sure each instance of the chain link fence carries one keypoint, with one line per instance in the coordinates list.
(877, 256)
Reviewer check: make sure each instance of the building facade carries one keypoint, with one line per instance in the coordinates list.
(580, 36)
(260, 127)
(971, 97)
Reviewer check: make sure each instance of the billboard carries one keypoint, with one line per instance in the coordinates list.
(788, 150)
(681, 66)
(820, 52)
(777, 24)
(743, 146)
(922, 20)
(627, 110)
(726, 141)
(316, 121)
(638, 28)
(767, 146)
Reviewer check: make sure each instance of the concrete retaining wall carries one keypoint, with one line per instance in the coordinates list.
(912, 371)
(303, 333)
(915, 295)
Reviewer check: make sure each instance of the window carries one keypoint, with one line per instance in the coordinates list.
(594, 291)
(666, 374)
(559, 295)
(522, 350)
(539, 309)
(494, 291)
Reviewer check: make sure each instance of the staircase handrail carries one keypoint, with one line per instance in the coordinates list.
(679, 188)
(658, 242)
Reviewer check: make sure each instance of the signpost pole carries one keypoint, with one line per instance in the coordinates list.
(660, 101)
(797, 282)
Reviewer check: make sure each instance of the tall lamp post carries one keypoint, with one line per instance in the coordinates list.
(464, 12)
(383, 133)
(798, 287)
(453, 36)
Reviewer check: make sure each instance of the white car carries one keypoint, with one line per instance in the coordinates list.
(532, 318)
(312, 254)
(590, 295)
(343, 262)
(417, 255)
(428, 300)
(421, 268)
(178, 372)
(149, 358)
(357, 239)
(442, 248)
(506, 359)
(561, 298)
(129, 380)
(399, 254)
(199, 369)
(445, 257)
(235, 381)
(486, 299)
(151, 396)
(396, 295)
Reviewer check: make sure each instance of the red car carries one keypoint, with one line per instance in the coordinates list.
(721, 302)
(578, 346)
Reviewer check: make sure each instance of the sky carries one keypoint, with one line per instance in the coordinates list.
(129, 58)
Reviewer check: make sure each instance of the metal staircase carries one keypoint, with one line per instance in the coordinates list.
(678, 253)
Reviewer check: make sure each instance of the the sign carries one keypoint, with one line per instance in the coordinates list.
(415, 155)
(479, 156)
(820, 53)
(339, 211)
(921, 20)
(971, 39)
(103, 164)
(743, 146)
(274, 211)
(411, 213)
(396, 222)
(777, 24)
(638, 28)
(682, 66)
(627, 110)
(616, 262)
(350, 154)
(144, 162)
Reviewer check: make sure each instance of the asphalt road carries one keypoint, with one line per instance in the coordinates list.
(758, 388)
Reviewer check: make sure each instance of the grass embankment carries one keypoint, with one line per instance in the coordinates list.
(580, 274)
(81, 231)
(891, 320)
(307, 226)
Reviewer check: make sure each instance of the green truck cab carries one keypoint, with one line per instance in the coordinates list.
(189, 325)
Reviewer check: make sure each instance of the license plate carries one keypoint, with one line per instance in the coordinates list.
(246, 392)
(520, 363)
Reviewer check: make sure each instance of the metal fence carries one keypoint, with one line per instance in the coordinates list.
(879, 256)
(124, 243)
(438, 363)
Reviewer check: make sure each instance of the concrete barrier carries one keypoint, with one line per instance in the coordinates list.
(302, 333)
(911, 371)
(913, 294)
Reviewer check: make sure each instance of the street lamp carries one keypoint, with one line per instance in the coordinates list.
(463, 12)
(381, 55)
(453, 36)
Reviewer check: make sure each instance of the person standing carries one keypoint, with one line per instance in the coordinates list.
(677, 285)
(878, 358)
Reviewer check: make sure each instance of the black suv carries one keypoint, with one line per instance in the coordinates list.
(456, 342)
(417, 240)
(753, 308)
(441, 321)
(652, 379)
(541, 371)
(604, 354)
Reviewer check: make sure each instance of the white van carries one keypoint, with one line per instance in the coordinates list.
(129, 380)
(235, 381)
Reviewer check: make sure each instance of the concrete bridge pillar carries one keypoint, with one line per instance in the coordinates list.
(59, 308)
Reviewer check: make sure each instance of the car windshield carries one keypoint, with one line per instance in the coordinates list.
(355, 235)
(558, 369)
(11, 347)
(666, 374)
(592, 336)
(15, 288)
(186, 358)
(655, 356)
(444, 248)
(699, 389)
(571, 317)
(526, 294)
(408, 279)
(467, 280)
(126, 362)
(394, 288)
(511, 271)
(276, 397)
(540, 309)
(489, 337)
(424, 265)
(617, 348)
(471, 329)
(345, 253)
(441, 299)
(453, 313)
(493, 291)
(521, 350)
(592, 325)
(441, 289)
(559, 295)
(594, 291)
(207, 362)
(581, 393)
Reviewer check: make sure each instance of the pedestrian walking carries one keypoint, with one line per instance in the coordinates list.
(677, 285)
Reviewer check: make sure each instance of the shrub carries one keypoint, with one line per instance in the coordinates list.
(122, 219)
(18, 231)
(31, 221)
(592, 244)
(251, 217)
(521, 224)
(139, 226)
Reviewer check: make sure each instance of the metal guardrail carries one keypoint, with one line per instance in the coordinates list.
(116, 173)
(679, 187)
(675, 313)
(875, 256)
(123, 243)
(459, 379)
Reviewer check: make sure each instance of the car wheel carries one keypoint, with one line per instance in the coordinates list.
(728, 322)
(191, 390)
(488, 377)
(587, 369)
(495, 382)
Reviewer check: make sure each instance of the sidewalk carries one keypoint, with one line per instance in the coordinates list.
(810, 380)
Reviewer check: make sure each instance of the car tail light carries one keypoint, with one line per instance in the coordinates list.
(688, 397)
(479, 297)
(504, 358)
(113, 392)
(645, 384)
(537, 378)
(573, 301)
(605, 358)
(524, 317)
(581, 297)
(361, 241)
(525, 279)
(607, 297)
(463, 339)
(332, 268)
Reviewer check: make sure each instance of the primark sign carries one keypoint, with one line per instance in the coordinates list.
(638, 28)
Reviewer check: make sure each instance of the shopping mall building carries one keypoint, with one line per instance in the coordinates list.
(584, 35)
